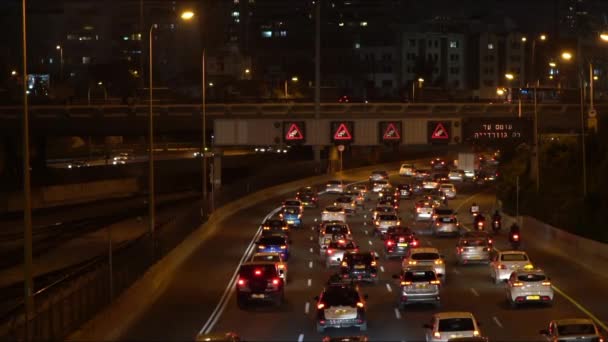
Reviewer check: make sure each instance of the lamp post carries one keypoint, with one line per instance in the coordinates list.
(420, 82)
(28, 281)
(151, 198)
(60, 48)
(293, 79)
(510, 77)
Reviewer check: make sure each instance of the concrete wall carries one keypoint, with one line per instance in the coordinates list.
(55, 195)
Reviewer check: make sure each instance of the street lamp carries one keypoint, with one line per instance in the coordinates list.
(60, 48)
(566, 56)
(509, 76)
(604, 36)
(293, 79)
(420, 83)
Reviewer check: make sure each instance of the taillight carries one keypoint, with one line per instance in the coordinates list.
(475, 333)
(435, 282)
(320, 306)
(515, 236)
(261, 246)
(359, 305)
(415, 243)
(330, 251)
(437, 335)
(258, 272)
(490, 241)
(438, 262)
(412, 262)
(546, 283)
(437, 224)
(283, 247)
(285, 228)
(389, 242)
(518, 284)
(418, 210)
(374, 263)
(241, 282)
(502, 267)
(406, 283)
(275, 281)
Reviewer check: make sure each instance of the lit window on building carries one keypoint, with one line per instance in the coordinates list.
(357, 46)
(453, 44)
(267, 34)
(72, 37)
(490, 46)
(363, 23)
(51, 60)
(236, 14)
(125, 38)
(86, 60)
(283, 33)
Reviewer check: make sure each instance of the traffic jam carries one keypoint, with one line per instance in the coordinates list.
(399, 211)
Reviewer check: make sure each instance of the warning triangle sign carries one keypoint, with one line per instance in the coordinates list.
(294, 133)
(440, 132)
(391, 132)
(342, 133)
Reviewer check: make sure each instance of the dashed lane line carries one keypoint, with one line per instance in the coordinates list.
(475, 292)
(397, 314)
(309, 282)
(497, 321)
(307, 308)
(301, 338)
(310, 264)
(388, 288)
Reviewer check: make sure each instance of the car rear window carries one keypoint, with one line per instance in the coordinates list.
(272, 240)
(419, 276)
(337, 245)
(333, 209)
(446, 186)
(334, 182)
(336, 296)
(336, 229)
(474, 242)
(291, 210)
(360, 258)
(249, 271)
(425, 256)
(292, 203)
(531, 277)
(514, 257)
(456, 324)
(273, 258)
(407, 166)
(274, 223)
(388, 218)
(444, 212)
(447, 220)
(575, 329)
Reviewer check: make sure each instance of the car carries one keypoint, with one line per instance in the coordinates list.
(308, 197)
(470, 250)
(218, 337)
(378, 175)
(275, 226)
(293, 202)
(383, 209)
(572, 329)
(333, 232)
(333, 213)
(407, 170)
(335, 251)
(341, 306)
(272, 257)
(121, 159)
(426, 256)
(430, 184)
(448, 189)
(347, 203)
(443, 212)
(274, 243)
(346, 339)
(361, 188)
(436, 198)
(503, 263)
(259, 281)
(398, 244)
(77, 164)
(469, 174)
(469, 339)
(423, 210)
(388, 203)
(383, 221)
(439, 164)
(359, 266)
(422, 174)
(389, 195)
(380, 185)
(292, 215)
(418, 284)
(446, 225)
(478, 235)
(448, 325)
(404, 191)
(335, 186)
(529, 286)
(456, 176)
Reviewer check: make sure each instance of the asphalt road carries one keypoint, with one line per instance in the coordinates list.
(191, 302)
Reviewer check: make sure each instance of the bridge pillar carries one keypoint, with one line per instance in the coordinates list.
(333, 159)
(39, 153)
(217, 167)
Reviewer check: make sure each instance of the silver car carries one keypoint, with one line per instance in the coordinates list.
(456, 176)
(418, 284)
(572, 330)
(446, 225)
(424, 211)
(506, 262)
(449, 190)
(333, 213)
(471, 250)
(426, 256)
(334, 187)
(378, 176)
(384, 221)
(347, 203)
(335, 252)
(379, 185)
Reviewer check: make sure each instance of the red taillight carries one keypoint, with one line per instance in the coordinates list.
(460, 250)
(275, 281)
(515, 236)
(241, 282)
(320, 306)
(490, 241)
(389, 243)
(330, 251)
(360, 304)
(257, 272)
(415, 243)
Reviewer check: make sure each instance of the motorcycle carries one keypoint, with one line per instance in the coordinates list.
(480, 225)
(515, 240)
(496, 225)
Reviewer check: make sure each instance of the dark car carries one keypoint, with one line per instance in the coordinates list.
(259, 281)
(439, 164)
(398, 243)
(218, 337)
(274, 243)
(275, 226)
(341, 306)
(308, 197)
(403, 191)
(360, 266)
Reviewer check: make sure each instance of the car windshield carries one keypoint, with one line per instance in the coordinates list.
(388, 218)
(291, 210)
(249, 271)
(333, 209)
(306, 196)
(266, 257)
(335, 182)
(292, 203)
(407, 166)
(447, 187)
(338, 245)
(419, 276)
(425, 256)
(381, 182)
(474, 242)
(514, 257)
(447, 220)
(272, 240)
(531, 277)
(575, 329)
(456, 324)
(336, 229)
(443, 212)
(338, 296)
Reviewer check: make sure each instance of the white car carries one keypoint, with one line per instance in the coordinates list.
(470, 174)
(378, 175)
(450, 325)
(333, 213)
(347, 203)
(448, 189)
(272, 257)
(456, 176)
(384, 221)
(506, 262)
(333, 232)
(380, 185)
(572, 329)
(429, 184)
(407, 170)
(424, 211)
(335, 186)
(383, 209)
(426, 256)
(529, 286)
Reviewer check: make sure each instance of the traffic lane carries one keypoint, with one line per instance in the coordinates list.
(200, 281)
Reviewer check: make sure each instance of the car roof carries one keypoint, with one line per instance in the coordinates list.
(453, 314)
(425, 250)
(260, 263)
(333, 208)
(567, 321)
(513, 252)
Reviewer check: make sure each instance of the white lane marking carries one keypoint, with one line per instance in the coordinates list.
(497, 321)
(366, 232)
(370, 242)
(388, 288)
(428, 243)
(312, 250)
(310, 264)
(300, 337)
(309, 282)
(365, 223)
(221, 306)
(456, 271)
(307, 308)
(475, 292)
(397, 313)
(381, 268)
(312, 238)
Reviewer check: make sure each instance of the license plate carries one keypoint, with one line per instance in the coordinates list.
(402, 245)
(359, 267)
(260, 295)
(420, 286)
(475, 257)
(290, 222)
(533, 297)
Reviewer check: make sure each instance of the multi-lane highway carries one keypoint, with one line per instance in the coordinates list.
(201, 296)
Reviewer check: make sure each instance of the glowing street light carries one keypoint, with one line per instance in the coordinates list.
(595, 78)
(500, 91)
(421, 80)
(14, 73)
(509, 76)
(524, 39)
(604, 36)
(543, 37)
(247, 71)
(566, 55)
(552, 64)
(295, 79)
(187, 15)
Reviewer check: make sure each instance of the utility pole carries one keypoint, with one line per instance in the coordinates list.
(317, 147)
